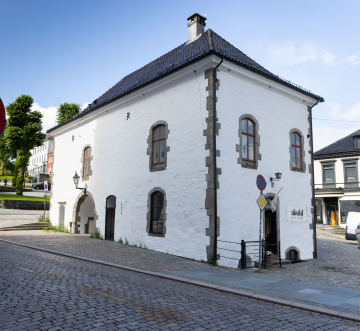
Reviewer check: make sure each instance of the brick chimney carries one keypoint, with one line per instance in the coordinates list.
(196, 25)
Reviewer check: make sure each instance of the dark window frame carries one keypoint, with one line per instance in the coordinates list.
(296, 147)
(87, 160)
(247, 134)
(150, 141)
(329, 164)
(153, 229)
(158, 142)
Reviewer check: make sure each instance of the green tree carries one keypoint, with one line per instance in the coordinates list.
(66, 111)
(5, 154)
(22, 134)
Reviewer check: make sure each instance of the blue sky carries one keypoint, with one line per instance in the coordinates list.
(74, 51)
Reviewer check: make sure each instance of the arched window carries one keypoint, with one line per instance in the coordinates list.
(157, 206)
(87, 157)
(248, 140)
(296, 148)
(159, 146)
(156, 216)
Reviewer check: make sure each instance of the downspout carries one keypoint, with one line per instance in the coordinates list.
(215, 166)
(313, 181)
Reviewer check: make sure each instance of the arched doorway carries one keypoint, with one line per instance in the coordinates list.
(271, 223)
(110, 217)
(84, 215)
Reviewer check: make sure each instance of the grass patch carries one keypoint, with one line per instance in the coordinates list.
(23, 197)
(97, 235)
(41, 218)
(7, 177)
(61, 228)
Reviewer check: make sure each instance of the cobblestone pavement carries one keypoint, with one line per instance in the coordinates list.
(336, 264)
(42, 291)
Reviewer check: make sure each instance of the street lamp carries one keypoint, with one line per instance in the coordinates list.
(76, 182)
(277, 177)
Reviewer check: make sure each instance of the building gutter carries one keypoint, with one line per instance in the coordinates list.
(313, 181)
(215, 165)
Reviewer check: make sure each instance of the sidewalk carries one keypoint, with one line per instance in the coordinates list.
(269, 286)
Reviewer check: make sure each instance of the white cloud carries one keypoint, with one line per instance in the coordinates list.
(354, 59)
(49, 116)
(290, 54)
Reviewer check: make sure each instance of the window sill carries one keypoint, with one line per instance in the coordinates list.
(158, 167)
(297, 170)
(154, 234)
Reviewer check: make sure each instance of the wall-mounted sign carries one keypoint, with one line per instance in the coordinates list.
(260, 182)
(2, 118)
(296, 214)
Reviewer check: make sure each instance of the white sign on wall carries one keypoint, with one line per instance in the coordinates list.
(296, 214)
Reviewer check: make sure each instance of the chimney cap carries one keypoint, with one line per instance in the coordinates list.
(202, 18)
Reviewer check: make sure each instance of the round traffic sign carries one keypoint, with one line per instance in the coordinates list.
(260, 182)
(2, 118)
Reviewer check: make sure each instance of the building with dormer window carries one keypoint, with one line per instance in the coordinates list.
(337, 188)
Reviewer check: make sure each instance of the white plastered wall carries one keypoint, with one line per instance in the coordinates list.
(238, 211)
(120, 165)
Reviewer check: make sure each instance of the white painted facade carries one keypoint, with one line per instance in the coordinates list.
(38, 160)
(336, 200)
(118, 135)
(120, 165)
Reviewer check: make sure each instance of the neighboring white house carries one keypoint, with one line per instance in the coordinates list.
(41, 159)
(337, 189)
(159, 168)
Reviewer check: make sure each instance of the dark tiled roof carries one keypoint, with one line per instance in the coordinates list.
(185, 54)
(344, 146)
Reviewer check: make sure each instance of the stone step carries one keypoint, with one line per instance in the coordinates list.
(30, 226)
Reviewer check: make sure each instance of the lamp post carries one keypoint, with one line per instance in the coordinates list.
(76, 182)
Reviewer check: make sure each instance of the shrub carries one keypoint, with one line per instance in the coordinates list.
(97, 235)
(120, 241)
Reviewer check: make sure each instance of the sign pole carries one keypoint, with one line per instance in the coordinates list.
(261, 184)
(260, 236)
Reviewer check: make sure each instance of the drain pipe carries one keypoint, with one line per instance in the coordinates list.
(313, 181)
(215, 166)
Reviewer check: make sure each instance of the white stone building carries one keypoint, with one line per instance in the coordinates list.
(41, 159)
(38, 160)
(159, 168)
(337, 188)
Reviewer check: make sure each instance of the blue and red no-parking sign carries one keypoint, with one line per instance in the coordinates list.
(260, 182)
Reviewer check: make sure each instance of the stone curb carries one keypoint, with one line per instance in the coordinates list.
(262, 297)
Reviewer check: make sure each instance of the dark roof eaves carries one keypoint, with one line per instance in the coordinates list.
(336, 155)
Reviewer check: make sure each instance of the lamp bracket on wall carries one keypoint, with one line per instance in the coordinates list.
(76, 182)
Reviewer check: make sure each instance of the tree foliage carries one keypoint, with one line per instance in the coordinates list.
(22, 134)
(5, 155)
(66, 111)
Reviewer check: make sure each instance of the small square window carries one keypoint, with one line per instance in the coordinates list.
(350, 173)
(329, 176)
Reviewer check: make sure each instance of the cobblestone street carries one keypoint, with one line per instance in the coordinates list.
(42, 291)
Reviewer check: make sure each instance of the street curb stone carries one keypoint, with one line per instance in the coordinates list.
(262, 297)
